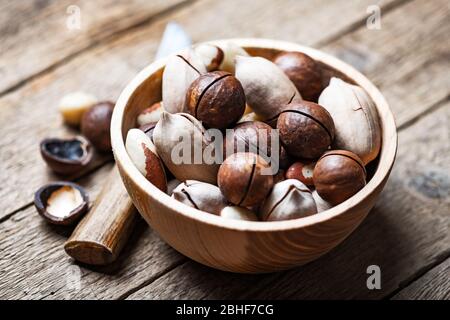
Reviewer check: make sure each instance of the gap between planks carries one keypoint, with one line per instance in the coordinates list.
(117, 35)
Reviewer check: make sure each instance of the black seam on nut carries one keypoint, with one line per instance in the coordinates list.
(312, 118)
(183, 58)
(206, 89)
(292, 98)
(291, 188)
(189, 198)
(347, 156)
(247, 189)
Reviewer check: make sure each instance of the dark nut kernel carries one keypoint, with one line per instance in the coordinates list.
(243, 179)
(253, 136)
(306, 129)
(217, 99)
(304, 72)
(66, 156)
(338, 175)
(95, 125)
(302, 171)
(61, 203)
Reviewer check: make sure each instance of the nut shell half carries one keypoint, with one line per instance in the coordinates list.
(63, 196)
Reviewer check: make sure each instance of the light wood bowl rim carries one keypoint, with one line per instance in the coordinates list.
(386, 161)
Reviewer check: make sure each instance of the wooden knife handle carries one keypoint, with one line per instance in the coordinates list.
(101, 235)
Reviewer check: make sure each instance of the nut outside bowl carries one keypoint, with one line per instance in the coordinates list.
(246, 246)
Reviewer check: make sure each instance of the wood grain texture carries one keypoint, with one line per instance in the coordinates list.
(33, 264)
(434, 285)
(103, 232)
(138, 48)
(407, 230)
(24, 24)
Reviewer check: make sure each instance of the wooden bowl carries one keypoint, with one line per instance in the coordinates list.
(241, 246)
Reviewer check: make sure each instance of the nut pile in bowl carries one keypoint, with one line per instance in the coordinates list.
(243, 137)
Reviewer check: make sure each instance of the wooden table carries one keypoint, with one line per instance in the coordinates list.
(407, 234)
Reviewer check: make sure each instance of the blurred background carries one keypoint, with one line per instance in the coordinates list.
(50, 48)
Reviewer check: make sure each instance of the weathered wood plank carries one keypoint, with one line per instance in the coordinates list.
(34, 34)
(434, 285)
(33, 263)
(106, 70)
(408, 229)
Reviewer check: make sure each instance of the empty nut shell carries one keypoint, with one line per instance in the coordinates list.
(200, 195)
(304, 72)
(96, 123)
(217, 99)
(302, 171)
(306, 129)
(289, 199)
(143, 154)
(61, 203)
(66, 156)
(338, 175)
(238, 213)
(245, 179)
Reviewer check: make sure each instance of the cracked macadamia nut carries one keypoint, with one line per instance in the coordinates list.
(304, 72)
(200, 195)
(150, 114)
(217, 99)
(143, 154)
(338, 175)
(96, 123)
(245, 179)
(211, 55)
(61, 203)
(302, 171)
(289, 199)
(73, 105)
(66, 156)
(306, 129)
(355, 118)
(238, 213)
(267, 89)
(180, 71)
(178, 138)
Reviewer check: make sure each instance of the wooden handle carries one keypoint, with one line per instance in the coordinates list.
(100, 236)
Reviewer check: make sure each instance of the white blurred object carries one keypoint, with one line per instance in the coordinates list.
(174, 39)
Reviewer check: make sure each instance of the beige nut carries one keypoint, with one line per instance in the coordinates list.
(73, 105)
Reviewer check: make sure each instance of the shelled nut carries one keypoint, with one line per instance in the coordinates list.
(230, 51)
(150, 114)
(238, 213)
(338, 175)
(73, 105)
(212, 56)
(306, 129)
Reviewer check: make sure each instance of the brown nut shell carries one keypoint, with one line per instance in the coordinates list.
(96, 123)
(338, 175)
(244, 179)
(61, 203)
(66, 156)
(306, 129)
(303, 71)
(217, 99)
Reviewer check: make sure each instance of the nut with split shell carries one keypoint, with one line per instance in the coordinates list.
(96, 124)
(289, 199)
(217, 99)
(66, 156)
(238, 213)
(304, 72)
(180, 71)
(143, 154)
(178, 138)
(200, 195)
(338, 175)
(267, 89)
(355, 118)
(245, 179)
(306, 129)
